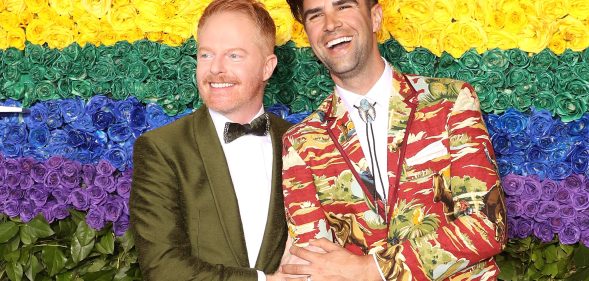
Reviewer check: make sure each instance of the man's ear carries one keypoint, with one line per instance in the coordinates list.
(269, 66)
(376, 15)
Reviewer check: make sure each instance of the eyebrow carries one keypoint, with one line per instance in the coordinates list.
(311, 12)
(342, 2)
(336, 3)
(204, 48)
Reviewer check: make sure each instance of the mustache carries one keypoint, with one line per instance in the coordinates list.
(222, 78)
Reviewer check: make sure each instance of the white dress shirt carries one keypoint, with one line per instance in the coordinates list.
(249, 159)
(379, 93)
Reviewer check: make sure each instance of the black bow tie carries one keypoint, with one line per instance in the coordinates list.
(258, 127)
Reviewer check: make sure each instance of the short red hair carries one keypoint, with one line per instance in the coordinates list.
(252, 9)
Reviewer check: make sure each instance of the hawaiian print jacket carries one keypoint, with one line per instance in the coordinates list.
(446, 214)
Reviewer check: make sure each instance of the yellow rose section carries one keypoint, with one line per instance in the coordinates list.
(453, 26)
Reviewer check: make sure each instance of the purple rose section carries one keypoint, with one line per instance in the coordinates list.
(55, 186)
(548, 208)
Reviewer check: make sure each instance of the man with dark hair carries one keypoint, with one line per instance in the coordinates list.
(206, 200)
(396, 170)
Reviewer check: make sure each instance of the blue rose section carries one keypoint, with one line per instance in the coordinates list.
(54, 186)
(101, 129)
(537, 144)
(285, 113)
(105, 129)
(533, 143)
(546, 207)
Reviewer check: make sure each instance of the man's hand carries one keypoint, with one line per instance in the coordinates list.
(280, 276)
(336, 263)
(288, 258)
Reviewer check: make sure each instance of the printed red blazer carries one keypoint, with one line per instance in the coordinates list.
(445, 218)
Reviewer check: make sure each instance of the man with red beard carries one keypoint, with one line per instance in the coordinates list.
(396, 170)
(206, 200)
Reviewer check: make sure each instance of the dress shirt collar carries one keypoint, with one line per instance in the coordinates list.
(219, 121)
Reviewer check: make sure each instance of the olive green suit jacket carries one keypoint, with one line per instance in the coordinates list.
(184, 212)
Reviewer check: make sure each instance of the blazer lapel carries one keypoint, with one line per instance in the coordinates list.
(221, 186)
(275, 232)
(343, 133)
(402, 104)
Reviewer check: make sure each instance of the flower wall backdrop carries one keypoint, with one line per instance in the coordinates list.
(97, 74)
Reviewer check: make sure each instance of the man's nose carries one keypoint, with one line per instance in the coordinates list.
(332, 22)
(218, 65)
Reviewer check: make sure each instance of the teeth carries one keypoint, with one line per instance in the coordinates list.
(221, 85)
(337, 41)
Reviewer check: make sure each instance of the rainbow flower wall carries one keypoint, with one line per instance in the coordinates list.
(96, 74)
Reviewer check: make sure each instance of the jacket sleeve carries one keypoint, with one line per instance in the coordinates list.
(164, 250)
(477, 231)
(304, 213)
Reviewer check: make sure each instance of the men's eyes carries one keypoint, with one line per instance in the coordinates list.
(314, 17)
(204, 56)
(207, 56)
(343, 7)
(234, 56)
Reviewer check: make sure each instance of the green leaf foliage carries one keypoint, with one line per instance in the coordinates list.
(14, 271)
(82, 242)
(127, 241)
(67, 250)
(35, 229)
(54, 259)
(9, 247)
(106, 244)
(104, 275)
(33, 268)
(7, 230)
(530, 259)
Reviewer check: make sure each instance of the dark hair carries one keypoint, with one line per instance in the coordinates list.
(296, 7)
(251, 8)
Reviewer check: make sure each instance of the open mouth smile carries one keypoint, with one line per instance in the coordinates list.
(338, 41)
(221, 85)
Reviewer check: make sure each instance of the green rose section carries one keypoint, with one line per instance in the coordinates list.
(158, 73)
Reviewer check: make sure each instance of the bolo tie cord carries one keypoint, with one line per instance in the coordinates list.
(373, 161)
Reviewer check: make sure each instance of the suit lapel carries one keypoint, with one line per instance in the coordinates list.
(343, 133)
(220, 183)
(402, 104)
(276, 223)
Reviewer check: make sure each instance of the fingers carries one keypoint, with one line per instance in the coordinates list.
(295, 269)
(304, 253)
(297, 279)
(315, 249)
(294, 276)
(292, 259)
(275, 277)
(325, 244)
(281, 276)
